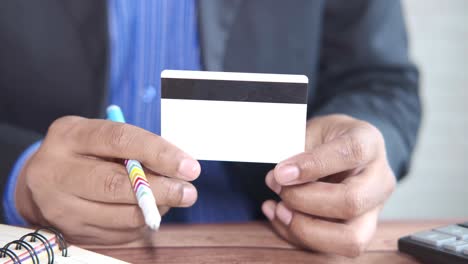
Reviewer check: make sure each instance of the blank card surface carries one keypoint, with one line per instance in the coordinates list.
(227, 116)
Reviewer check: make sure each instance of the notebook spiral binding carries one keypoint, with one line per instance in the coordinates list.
(7, 252)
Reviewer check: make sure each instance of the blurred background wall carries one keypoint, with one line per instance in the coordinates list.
(437, 185)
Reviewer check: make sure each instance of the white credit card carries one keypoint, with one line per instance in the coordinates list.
(227, 116)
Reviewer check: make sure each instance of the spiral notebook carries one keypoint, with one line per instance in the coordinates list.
(43, 245)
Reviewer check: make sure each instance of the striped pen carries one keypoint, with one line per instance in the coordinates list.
(137, 177)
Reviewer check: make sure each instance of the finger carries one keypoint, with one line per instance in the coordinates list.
(270, 181)
(349, 238)
(343, 153)
(269, 210)
(346, 200)
(91, 235)
(105, 215)
(108, 182)
(104, 138)
(163, 210)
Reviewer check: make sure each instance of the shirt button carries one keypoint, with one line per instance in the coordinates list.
(149, 94)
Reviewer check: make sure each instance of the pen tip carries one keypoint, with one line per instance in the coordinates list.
(112, 107)
(153, 222)
(154, 226)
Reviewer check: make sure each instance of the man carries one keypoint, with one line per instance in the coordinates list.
(64, 61)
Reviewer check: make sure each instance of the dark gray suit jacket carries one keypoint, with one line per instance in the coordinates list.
(54, 62)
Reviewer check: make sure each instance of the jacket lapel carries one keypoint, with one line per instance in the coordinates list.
(88, 20)
(215, 20)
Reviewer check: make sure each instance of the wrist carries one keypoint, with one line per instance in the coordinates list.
(10, 202)
(24, 202)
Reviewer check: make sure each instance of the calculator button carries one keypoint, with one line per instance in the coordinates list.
(454, 230)
(456, 246)
(433, 238)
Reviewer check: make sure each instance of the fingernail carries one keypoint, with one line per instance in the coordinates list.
(189, 168)
(268, 209)
(271, 183)
(284, 214)
(189, 195)
(286, 174)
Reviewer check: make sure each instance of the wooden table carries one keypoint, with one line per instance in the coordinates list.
(256, 243)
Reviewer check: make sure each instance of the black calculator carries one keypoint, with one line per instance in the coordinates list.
(446, 244)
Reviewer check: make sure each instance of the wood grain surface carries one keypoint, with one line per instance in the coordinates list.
(254, 242)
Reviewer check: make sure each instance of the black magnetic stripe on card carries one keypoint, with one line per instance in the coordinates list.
(241, 91)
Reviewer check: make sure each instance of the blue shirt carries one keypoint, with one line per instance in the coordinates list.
(146, 37)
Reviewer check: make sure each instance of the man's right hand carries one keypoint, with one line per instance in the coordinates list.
(76, 180)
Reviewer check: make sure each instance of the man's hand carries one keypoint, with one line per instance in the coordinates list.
(333, 192)
(76, 180)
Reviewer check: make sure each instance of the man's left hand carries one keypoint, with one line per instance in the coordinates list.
(332, 193)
